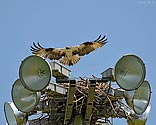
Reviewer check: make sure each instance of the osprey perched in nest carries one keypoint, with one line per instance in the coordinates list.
(68, 55)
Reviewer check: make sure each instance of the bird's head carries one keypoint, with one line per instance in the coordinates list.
(68, 47)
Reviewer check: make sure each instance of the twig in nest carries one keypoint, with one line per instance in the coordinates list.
(111, 105)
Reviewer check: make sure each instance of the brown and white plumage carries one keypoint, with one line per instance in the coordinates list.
(68, 55)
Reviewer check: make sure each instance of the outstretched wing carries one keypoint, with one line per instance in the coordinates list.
(87, 47)
(51, 53)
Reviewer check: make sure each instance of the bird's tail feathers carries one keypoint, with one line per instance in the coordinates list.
(70, 61)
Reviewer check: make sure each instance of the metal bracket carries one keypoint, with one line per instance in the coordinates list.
(90, 99)
(70, 99)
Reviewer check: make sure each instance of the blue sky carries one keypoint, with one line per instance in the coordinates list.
(130, 27)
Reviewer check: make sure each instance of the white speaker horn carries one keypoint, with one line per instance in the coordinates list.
(129, 72)
(35, 73)
(13, 115)
(24, 99)
(139, 119)
(139, 99)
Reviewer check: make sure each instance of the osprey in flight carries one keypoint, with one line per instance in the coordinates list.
(68, 55)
